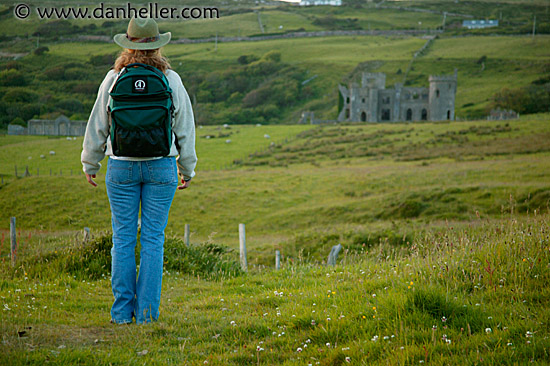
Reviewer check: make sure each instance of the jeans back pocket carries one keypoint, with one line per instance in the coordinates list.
(119, 171)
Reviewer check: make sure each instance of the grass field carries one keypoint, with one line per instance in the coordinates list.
(444, 228)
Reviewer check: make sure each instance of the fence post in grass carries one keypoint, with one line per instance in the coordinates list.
(186, 235)
(333, 256)
(277, 259)
(242, 242)
(86, 234)
(13, 237)
(27, 173)
(16, 171)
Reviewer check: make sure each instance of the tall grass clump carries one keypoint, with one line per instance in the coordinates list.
(207, 260)
(92, 260)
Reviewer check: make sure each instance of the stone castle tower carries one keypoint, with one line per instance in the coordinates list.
(442, 97)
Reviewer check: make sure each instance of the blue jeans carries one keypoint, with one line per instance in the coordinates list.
(129, 183)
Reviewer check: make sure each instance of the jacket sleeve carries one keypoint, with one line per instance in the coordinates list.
(97, 129)
(183, 126)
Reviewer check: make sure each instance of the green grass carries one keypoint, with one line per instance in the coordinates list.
(445, 223)
(460, 294)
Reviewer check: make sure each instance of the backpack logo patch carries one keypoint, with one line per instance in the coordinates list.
(139, 84)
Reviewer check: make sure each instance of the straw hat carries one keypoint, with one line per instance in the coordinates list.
(142, 34)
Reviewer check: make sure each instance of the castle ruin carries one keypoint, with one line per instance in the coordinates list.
(372, 102)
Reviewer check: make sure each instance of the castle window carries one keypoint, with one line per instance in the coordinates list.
(424, 95)
(385, 114)
(407, 96)
(415, 95)
(363, 117)
(448, 115)
(437, 93)
(386, 100)
(363, 100)
(409, 114)
(424, 114)
(347, 100)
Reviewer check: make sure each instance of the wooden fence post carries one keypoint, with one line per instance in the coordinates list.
(27, 173)
(277, 259)
(333, 256)
(13, 236)
(16, 171)
(242, 242)
(186, 235)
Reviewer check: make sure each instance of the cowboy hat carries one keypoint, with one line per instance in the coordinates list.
(142, 34)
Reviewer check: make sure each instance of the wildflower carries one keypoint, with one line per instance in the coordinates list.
(327, 344)
(488, 330)
(375, 338)
(443, 319)
(233, 323)
(529, 334)
(374, 308)
(386, 338)
(299, 349)
(509, 344)
(348, 359)
(308, 340)
(364, 317)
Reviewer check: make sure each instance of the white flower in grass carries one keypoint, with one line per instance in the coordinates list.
(348, 359)
(299, 349)
(488, 330)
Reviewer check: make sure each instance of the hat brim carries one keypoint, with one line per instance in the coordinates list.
(124, 42)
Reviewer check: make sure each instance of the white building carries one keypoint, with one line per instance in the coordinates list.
(321, 2)
(476, 24)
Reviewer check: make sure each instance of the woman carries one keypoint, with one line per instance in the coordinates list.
(134, 182)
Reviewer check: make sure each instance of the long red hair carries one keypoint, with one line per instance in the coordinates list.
(149, 57)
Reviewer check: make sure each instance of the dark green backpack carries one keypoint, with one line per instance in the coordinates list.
(141, 110)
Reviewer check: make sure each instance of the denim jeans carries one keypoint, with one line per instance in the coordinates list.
(152, 184)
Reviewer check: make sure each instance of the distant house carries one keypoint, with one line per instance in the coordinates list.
(61, 126)
(321, 2)
(477, 24)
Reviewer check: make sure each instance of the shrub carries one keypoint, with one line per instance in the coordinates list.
(12, 77)
(18, 121)
(103, 60)
(206, 260)
(41, 50)
(19, 96)
(71, 105)
(55, 73)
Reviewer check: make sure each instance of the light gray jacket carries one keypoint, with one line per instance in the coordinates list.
(97, 142)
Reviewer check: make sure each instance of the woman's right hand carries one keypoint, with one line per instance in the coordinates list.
(90, 180)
